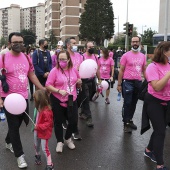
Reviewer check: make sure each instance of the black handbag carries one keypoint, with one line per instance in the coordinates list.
(3, 71)
(143, 90)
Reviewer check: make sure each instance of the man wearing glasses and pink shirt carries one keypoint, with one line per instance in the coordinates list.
(18, 67)
(132, 65)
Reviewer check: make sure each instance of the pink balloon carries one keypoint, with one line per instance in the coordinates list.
(15, 104)
(104, 85)
(88, 68)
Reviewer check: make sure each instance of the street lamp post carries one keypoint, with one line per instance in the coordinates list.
(126, 40)
(143, 27)
(142, 31)
(117, 25)
(166, 20)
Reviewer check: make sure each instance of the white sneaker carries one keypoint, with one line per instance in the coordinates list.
(59, 147)
(21, 162)
(70, 143)
(9, 146)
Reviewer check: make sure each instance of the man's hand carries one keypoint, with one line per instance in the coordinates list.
(46, 74)
(111, 79)
(1, 103)
(79, 81)
(99, 81)
(119, 88)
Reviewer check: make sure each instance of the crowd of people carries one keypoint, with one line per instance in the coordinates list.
(60, 91)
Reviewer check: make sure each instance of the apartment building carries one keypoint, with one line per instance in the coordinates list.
(52, 17)
(33, 18)
(9, 20)
(62, 16)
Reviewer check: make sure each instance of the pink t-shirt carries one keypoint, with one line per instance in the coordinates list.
(60, 81)
(17, 70)
(54, 60)
(111, 54)
(93, 57)
(105, 67)
(77, 59)
(30, 57)
(156, 71)
(134, 64)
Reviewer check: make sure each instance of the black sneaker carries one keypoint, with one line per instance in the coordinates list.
(89, 122)
(150, 155)
(49, 167)
(64, 126)
(162, 168)
(38, 159)
(127, 128)
(77, 136)
(132, 125)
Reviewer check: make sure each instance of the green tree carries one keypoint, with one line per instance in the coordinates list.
(147, 37)
(134, 33)
(29, 37)
(96, 23)
(3, 41)
(120, 40)
(52, 39)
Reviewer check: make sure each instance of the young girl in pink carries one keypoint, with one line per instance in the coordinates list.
(43, 127)
(106, 68)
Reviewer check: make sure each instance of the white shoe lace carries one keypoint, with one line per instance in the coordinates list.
(59, 147)
(22, 160)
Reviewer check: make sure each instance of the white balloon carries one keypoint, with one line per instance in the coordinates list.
(88, 68)
(15, 104)
(104, 85)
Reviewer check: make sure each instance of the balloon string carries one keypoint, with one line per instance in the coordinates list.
(30, 118)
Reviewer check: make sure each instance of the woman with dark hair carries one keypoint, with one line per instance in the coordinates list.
(156, 103)
(106, 68)
(62, 82)
(54, 57)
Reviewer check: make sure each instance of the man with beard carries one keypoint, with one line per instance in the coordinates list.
(89, 86)
(132, 65)
(42, 62)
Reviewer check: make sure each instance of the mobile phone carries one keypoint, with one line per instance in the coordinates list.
(70, 100)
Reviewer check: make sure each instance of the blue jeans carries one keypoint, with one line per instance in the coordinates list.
(130, 94)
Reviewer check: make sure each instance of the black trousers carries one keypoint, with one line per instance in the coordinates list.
(13, 135)
(130, 94)
(88, 90)
(62, 113)
(31, 87)
(42, 80)
(157, 115)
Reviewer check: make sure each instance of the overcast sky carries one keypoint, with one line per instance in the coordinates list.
(141, 13)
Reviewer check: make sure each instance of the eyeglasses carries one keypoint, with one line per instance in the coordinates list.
(135, 41)
(17, 42)
(62, 59)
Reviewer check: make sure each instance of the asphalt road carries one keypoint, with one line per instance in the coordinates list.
(104, 147)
